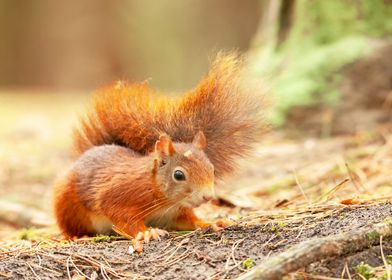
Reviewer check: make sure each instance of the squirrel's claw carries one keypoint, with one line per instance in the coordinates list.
(145, 237)
(221, 224)
(137, 245)
(156, 233)
(151, 234)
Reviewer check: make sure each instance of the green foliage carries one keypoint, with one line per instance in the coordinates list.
(248, 263)
(324, 22)
(312, 77)
(365, 270)
(388, 221)
(325, 37)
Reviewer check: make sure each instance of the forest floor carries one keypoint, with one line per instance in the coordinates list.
(292, 192)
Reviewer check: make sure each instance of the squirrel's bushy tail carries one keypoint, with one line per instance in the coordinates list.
(225, 106)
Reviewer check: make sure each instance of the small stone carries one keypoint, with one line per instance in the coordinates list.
(131, 250)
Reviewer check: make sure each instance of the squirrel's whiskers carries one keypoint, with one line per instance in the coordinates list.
(143, 157)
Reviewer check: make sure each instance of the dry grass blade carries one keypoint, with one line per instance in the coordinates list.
(77, 269)
(95, 264)
(345, 271)
(354, 179)
(33, 271)
(386, 265)
(68, 271)
(328, 194)
(173, 252)
(301, 187)
(5, 274)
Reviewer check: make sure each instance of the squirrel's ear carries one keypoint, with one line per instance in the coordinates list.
(164, 146)
(199, 141)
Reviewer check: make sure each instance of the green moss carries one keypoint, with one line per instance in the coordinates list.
(383, 277)
(63, 242)
(278, 226)
(388, 221)
(389, 259)
(33, 234)
(365, 270)
(373, 235)
(248, 263)
(225, 241)
(103, 238)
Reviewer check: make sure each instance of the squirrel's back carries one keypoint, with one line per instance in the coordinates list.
(224, 106)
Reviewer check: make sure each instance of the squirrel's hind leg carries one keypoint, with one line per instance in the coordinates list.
(72, 217)
(123, 221)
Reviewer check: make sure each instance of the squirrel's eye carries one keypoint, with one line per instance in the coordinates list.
(179, 175)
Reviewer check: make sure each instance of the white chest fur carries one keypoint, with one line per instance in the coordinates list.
(101, 224)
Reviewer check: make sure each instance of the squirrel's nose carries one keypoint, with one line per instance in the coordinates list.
(207, 197)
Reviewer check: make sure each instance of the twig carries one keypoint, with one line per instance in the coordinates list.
(47, 269)
(346, 270)
(68, 272)
(104, 274)
(232, 255)
(387, 267)
(318, 277)
(5, 274)
(35, 274)
(174, 250)
(317, 249)
(94, 263)
(184, 255)
(77, 269)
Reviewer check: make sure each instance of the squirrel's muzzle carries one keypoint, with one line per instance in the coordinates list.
(208, 192)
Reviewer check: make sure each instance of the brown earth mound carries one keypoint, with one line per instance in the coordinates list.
(204, 255)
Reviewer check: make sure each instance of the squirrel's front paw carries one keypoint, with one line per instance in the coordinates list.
(145, 237)
(221, 224)
(153, 233)
(216, 225)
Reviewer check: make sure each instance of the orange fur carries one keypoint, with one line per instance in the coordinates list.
(114, 184)
(133, 140)
(224, 106)
(71, 215)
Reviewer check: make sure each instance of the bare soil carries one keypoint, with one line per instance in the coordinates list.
(202, 254)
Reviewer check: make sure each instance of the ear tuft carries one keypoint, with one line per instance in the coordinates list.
(164, 146)
(199, 141)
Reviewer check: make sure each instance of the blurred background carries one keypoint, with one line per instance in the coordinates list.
(327, 66)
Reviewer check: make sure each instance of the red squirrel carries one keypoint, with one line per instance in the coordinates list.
(147, 160)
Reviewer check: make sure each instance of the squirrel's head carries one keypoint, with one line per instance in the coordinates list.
(183, 170)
